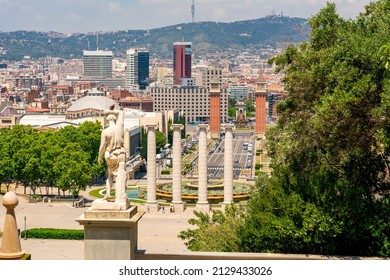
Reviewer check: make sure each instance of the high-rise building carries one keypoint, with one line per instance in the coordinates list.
(182, 56)
(97, 64)
(137, 68)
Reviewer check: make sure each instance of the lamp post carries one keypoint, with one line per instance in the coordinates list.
(25, 227)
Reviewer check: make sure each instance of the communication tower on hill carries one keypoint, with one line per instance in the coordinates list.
(193, 11)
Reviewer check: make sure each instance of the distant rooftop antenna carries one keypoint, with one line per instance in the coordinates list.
(97, 40)
(193, 11)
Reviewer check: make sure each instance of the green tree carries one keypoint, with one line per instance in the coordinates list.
(144, 144)
(329, 146)
(29, 156)
(232, 112)
(250, 108)
(72, 169)
(330, 150)
(51, 146)
(89, 140)
(170, 132)
(21, 139)
(182, 120)
(232, 108)
(161, 141)
(204, 236)
(6, 163)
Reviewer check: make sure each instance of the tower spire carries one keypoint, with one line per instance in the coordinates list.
(193, 11)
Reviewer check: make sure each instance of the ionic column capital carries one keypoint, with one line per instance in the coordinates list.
(177, 126)
(228, 126)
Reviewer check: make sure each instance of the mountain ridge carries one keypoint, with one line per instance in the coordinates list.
(208, 36)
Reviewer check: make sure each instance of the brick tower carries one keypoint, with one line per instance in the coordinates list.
(260, 95)
(215, 108)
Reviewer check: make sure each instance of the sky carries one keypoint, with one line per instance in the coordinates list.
(72, 16)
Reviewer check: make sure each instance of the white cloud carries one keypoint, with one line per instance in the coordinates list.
(114, 7)
(40, 17)
(74, 17)
(145, 14)
(219, 14)
(26, 8)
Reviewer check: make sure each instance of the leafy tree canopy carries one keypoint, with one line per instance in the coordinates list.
(66, 159)
(329, 190)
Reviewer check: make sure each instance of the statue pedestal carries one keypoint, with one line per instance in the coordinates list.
(110, 234)
(102, 204)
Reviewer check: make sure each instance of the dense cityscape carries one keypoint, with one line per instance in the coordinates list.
(51, 85)
(278, 151)
(54, 92)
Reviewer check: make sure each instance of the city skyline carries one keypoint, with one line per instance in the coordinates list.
(110, 15)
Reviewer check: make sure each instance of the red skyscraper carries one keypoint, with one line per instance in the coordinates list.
(181, 61)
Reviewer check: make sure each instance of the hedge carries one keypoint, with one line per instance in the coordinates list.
(52, 233)
(166, 172)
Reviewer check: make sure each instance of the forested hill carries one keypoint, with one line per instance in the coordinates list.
(246, 35)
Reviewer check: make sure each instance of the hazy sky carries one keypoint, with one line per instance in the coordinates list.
(71, 16)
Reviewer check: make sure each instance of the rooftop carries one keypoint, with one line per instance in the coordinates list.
(93, 102)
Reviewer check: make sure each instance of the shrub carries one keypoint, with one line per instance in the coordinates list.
(52, 233)
(259, 152)
(258, 166)
(166, 172)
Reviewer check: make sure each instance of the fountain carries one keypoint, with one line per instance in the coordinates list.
(215, 191)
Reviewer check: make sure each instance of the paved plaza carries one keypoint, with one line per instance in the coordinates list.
(157, 232)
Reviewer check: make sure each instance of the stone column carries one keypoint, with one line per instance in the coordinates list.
(228, 166)
(202, 204)
(151, 202)
(178, 205)
(10, 247)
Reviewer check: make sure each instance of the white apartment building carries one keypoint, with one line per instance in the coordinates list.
(238, 91)
(97, 64)
(194, 102)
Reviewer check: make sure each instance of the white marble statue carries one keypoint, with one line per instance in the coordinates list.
(120, 184)
(111, 146)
